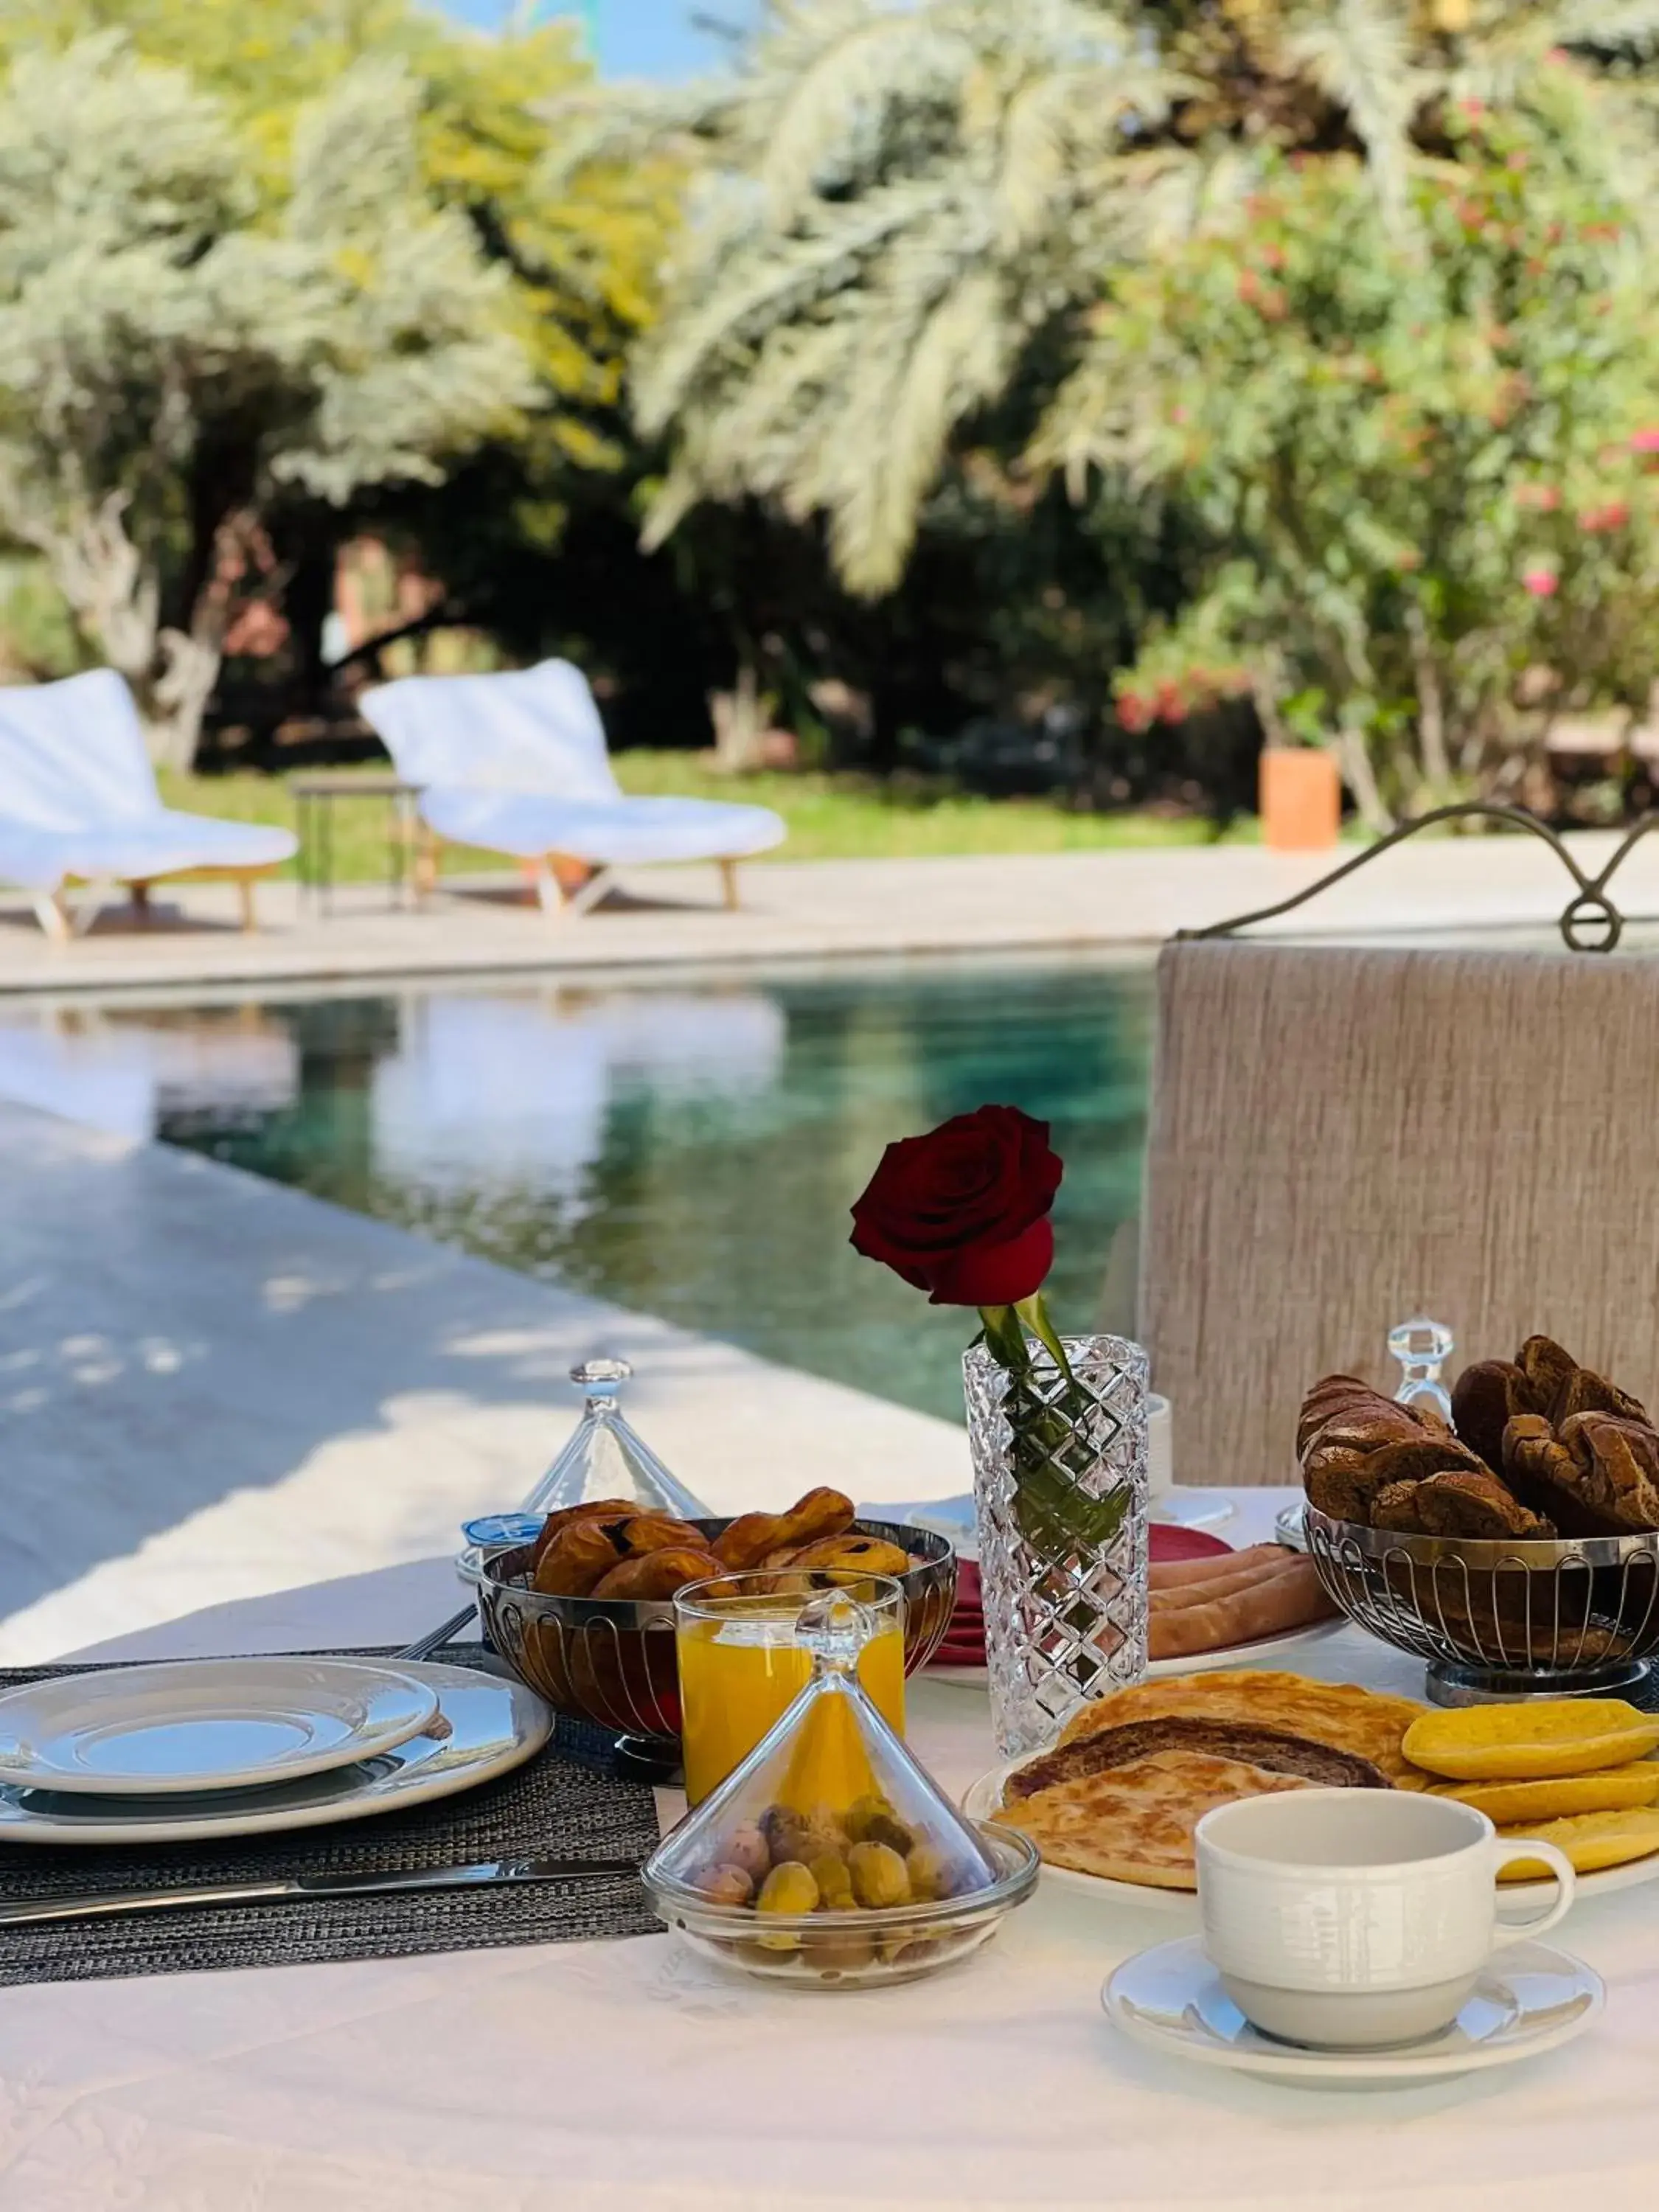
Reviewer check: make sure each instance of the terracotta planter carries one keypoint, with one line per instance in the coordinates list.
(1300, 799)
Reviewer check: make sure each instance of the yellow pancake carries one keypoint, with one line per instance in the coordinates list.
(1511, 1804)
(1531, 1742)
(1592, 1841)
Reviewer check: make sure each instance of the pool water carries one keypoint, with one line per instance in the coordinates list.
(689, 1149)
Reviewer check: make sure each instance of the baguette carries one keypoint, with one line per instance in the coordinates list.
(1285, 1597)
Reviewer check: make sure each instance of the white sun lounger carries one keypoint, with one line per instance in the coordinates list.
(78, 804)
(517, 763)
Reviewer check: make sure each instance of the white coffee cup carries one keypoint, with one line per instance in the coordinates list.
(1354, 1918)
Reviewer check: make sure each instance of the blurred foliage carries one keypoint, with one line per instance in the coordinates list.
(570, 249)
(942, 252)
(180, 363)
(1416, 458)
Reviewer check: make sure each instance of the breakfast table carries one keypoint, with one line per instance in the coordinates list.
(629, 2077)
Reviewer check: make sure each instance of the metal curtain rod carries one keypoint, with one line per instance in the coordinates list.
(1589, 922)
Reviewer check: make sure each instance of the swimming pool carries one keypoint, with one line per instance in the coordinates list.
(689, 1148)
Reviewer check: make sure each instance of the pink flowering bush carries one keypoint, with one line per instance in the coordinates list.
(1422, 460)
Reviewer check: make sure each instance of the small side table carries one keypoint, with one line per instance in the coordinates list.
(314, 798)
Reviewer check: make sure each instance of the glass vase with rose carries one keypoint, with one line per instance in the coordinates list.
(1057, 1425)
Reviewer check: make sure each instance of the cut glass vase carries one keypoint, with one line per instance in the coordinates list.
(1059, 1492)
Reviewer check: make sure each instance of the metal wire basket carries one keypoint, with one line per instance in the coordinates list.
(611, 1661)
(1573, 1617)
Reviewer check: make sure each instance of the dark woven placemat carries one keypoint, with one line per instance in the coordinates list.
(563, 1803)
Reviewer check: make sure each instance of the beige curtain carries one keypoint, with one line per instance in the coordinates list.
(1342, 1138)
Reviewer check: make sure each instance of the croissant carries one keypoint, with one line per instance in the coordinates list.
(596, 1509)
(752, 1536)
(658, 1574)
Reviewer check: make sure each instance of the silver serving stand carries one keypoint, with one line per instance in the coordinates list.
(1495, 1622)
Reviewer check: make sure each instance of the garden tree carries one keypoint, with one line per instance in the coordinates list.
(176, 362)
(911, 211)
(1416, 458)
(577, 246)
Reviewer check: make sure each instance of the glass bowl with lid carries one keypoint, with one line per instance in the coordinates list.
(829, 1858)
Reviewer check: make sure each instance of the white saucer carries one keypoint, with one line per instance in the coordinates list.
(483, 1727)
(960, 1678)
(949, 1517)
(205, 1724)
(1529, 1999)
(1191, 1509)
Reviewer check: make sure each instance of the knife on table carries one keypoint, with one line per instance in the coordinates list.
(480, 1874)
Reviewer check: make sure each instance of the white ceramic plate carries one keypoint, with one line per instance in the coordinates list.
(1202, 1662)
(1257, 1654)
(205, 1724)
(484, 1727)
(1529, 1999)
(986, 1797)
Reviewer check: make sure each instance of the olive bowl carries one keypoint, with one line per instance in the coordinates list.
(850, 1950)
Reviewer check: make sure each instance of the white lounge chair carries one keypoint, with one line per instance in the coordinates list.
(517, 763)
(78, 804)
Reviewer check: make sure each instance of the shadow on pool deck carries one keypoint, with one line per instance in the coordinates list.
(213, 1386)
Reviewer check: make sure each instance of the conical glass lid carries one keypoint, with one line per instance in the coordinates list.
(830, 1813)
(605, 1458)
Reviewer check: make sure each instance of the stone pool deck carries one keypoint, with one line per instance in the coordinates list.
(212, 1388)
(797, 910)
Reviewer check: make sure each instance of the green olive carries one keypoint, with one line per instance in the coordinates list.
(835, 1883)
(789, 1890)
(879, 1875)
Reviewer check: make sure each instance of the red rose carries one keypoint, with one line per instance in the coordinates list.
(962, 1212)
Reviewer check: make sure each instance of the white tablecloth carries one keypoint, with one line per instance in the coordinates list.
(625, 2077)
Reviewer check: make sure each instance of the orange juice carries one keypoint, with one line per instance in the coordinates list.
(737, 1677)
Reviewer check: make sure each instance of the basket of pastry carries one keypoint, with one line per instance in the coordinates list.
(585, 1614)
(828, 1857)
(1516, 1547)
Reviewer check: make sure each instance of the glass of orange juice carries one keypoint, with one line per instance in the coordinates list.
(742, 1661)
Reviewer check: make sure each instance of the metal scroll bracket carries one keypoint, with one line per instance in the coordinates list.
(1589, 921)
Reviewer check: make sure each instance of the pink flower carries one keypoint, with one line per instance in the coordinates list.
(1542, 583)
(1645, 441)
(1474, 109)
(1612, 515)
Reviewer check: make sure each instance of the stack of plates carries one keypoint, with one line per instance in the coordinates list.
(198, 1748)
(963, 1644)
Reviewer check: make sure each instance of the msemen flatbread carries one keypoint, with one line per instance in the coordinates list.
(1131, 1818)
(1340, 1714)
(1135, 1823)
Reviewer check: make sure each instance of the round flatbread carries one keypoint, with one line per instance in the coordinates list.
(1340, 1714)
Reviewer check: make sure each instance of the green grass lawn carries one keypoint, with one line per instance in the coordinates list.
(831, 816)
